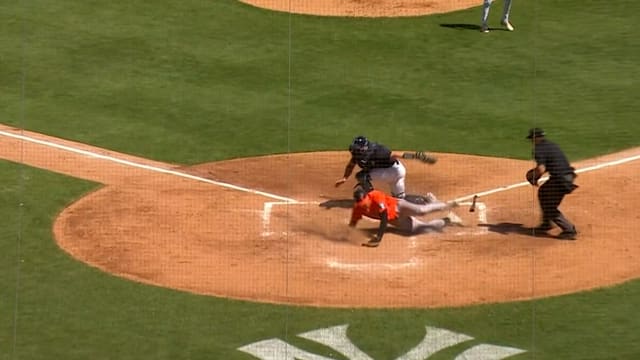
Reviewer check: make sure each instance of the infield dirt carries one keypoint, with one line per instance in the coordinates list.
(369, 8)
(158, 228)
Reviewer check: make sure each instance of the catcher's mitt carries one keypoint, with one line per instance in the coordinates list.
(420, 155)
(531, 177)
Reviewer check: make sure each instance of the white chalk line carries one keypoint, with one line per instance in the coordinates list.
(481, 210)
(412, 242)
(336, 264)
(258, 192)
(266, 213)
(143, 166)
(266, 219)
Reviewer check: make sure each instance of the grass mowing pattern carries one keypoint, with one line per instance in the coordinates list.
(193, 82)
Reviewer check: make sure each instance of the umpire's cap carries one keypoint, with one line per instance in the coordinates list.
(535, 132)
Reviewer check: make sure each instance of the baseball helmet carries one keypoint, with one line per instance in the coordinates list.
(359, 144)
(359, 194)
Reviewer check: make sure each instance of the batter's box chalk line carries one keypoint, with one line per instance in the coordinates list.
(341, 265)
(481, 210)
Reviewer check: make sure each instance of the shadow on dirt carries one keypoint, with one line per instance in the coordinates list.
(515, 228)
(337, 203)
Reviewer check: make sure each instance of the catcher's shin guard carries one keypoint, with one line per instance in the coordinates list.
(364, 180)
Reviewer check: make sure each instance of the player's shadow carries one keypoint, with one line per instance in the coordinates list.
(396, 231)
(337, 203)
(462, 26)
(473, 27)
(515, 228)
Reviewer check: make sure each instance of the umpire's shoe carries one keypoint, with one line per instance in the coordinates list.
(544, 227)
(568, 234)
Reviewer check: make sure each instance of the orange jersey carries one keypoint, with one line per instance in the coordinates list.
(373, 204)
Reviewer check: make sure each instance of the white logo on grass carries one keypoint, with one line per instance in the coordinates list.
(336, 338)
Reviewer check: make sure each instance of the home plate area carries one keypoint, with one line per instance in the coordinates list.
(323, 222)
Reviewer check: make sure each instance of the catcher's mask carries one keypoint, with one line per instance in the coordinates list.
(359, 145)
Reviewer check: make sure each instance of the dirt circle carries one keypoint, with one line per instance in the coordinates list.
(235, 239)
(365, 8)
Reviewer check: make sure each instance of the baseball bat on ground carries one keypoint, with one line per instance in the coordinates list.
(472, 208)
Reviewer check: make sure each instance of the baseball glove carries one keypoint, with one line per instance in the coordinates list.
(531, 177)
(420, 155)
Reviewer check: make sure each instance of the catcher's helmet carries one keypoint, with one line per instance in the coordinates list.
(360, 144)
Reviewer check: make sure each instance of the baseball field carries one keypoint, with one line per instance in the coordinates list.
(168, 176)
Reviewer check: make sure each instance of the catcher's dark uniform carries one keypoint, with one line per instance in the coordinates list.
(375, 156)
(377, 163)
(553, 191)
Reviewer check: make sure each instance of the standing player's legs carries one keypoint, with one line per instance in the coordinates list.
(486, 6)
(505, 15)
(393, 176)
(506, 11)
(550, 196)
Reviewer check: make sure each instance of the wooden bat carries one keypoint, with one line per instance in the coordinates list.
(472, 208)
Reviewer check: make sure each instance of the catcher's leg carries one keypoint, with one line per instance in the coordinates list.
(364, 180)
(394, 176)
(397, 184)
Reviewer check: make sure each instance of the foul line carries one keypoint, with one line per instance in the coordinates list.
(525, 183)
(145, 167)
(262, 193)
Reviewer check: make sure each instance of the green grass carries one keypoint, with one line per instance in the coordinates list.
(198, 81)
(194, 83)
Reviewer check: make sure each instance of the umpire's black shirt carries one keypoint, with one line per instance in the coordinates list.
(551, 156)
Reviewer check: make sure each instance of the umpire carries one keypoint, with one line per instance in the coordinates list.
(550, 158)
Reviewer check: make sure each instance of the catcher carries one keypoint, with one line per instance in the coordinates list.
(400, 213)
(550, 158)
(378, 163)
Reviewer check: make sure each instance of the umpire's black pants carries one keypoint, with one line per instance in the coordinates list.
(550, 196)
